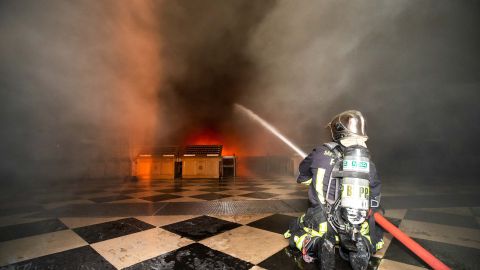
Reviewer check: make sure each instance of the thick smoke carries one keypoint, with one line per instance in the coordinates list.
(410, 66)
(79, 82)
(85, 83)
(206, 65)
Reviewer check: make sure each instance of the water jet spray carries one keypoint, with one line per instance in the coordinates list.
(270, 128)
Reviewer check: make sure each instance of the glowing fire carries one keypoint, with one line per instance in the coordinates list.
(210, 136)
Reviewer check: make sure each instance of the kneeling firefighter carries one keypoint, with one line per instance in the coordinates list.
(344, 192)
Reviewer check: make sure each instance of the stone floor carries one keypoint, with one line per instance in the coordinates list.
(211, 224)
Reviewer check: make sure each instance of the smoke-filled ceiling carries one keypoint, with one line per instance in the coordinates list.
(207, 67)
(99, 80)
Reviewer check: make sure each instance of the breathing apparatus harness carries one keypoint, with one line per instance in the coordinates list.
(332, 205)
(348, 192)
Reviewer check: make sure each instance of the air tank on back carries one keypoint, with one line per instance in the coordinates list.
(355, 188)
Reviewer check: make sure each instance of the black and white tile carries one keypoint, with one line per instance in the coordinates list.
(193, 256)
(200, 227)
(108, 230)
(227, 224)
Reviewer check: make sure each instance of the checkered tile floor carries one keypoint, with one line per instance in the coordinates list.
(211, 224)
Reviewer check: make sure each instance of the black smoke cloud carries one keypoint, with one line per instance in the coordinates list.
(206, 63)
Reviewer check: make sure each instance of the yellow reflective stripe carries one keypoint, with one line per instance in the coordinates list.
(337, 239)
(307, 183)
(379, 245)
(287, 234)
(319, 185)
(322, 228)
(301, 218)
(299, 241)
(365, 229)
(312, 232)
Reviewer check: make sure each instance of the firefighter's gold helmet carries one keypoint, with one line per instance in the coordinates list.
(348, 124)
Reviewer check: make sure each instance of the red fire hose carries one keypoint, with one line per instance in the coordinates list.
(410, 243)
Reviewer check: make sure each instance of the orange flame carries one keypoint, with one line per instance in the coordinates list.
(210, 136)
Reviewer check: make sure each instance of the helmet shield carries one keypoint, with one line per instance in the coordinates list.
(348, 124)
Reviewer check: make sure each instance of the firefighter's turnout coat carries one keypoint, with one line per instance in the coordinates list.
(316, 171)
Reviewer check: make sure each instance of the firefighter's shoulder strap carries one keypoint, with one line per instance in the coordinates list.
(333, 186)
(335, 148)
